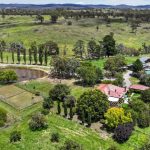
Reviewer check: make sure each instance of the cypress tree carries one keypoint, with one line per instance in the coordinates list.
(30, 56)
(65, 109)
(71, 112)
(18, 55)
(41, 47)
(1, 55)
(83, 117)
(24, 55)
(45, 56)
(58, 107)
(13, 56)
(35, 51)
(89, 119)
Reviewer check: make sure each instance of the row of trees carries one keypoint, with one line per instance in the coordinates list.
(108, 15)
(35, 54)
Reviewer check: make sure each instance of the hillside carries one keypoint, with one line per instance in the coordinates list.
(71, 6)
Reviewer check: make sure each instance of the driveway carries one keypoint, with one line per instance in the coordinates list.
(127, 77)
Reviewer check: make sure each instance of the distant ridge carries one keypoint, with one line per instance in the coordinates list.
(71, 6)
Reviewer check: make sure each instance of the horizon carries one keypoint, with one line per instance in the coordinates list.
(83, 2)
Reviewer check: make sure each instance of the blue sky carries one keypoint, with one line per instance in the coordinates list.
(113, 2)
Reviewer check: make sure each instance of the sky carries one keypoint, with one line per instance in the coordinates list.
(112, 2)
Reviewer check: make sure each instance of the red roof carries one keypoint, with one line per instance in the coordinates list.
(139, 87)
(112, 90)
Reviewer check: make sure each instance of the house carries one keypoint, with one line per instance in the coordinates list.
(138, 87)
(114, 93)
(145, 60)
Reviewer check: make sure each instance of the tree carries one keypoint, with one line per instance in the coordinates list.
(70, 102)
(40, 18)
(18, 47)
(71, 145)
(115, 65)
(12, 47)
(94, 102)
(15, 136)
(2, 49)
(59, 92)
(116, 116)
(123, 132)
(38, 122)
(45, 56)
(58, 107)
(83, 116)
(93, 49)
(137, 66)
(24, 55)
(145, 96)
(52, 48)
(89, 119)
(89, 74)
(119, 80)
(65, 109)
(79, 48)
(41, 54)
(30, 56)
(109, 45)
(35, 51)
(64, 67)
(54, 18)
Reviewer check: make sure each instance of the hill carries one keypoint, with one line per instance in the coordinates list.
(71, 6)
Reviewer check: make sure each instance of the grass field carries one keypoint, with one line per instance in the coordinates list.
(17, 97)
(24, 28)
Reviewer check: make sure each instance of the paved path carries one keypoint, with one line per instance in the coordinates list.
(127, 77)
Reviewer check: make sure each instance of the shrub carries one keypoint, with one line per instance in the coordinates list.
(146, 146)
(37, 93)
(7, 76)
(3, 117)
(48, 103)
(38, 122)
(45, 111)
(69, 23)
(145, 96)
(71, 145)
(123, 132)
(15, 136)
(115, 116)
(55, 137)
(143, 120)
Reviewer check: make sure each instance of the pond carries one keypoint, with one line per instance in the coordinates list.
(28, 74)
